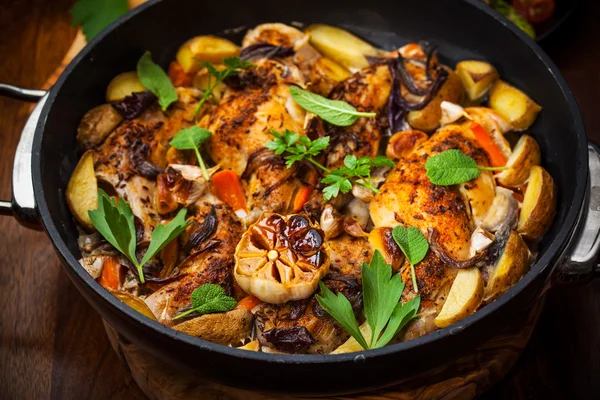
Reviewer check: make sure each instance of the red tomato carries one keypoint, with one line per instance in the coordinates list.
(535, 10)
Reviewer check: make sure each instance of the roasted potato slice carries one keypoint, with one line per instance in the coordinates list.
(251, 346)
(351, 345)
(134, 302)
(539, 204)
(428, 119)
(513, 263)
(525, 155)
(229, 328)
(124, 85)
(341, 46)
(463, 299)
(402, 144)
(204, 48)
(96, 125)
(477, 77)
(82, 190)
(514, 105)
(325, 74)
(381, 239)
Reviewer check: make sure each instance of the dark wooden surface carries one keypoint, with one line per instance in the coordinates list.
(52, 343)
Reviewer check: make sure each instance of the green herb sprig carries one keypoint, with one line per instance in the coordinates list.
(209, 299)
(355, 170)
(385, 313)
(116, 224)
(336, 112)
(156, 80)
(191, 139)
(95, 15)
(414, 245)
(452, 167)
(233, 65)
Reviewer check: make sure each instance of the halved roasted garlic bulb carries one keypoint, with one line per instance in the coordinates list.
(281, 258)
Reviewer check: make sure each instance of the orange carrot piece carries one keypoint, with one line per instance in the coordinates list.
(228, 188)
(248, 302)
(110, 278)
(301, 197)
(497, 157)
(178, 76)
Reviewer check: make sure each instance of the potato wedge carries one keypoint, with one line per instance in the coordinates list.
(134, 302)
(463, 299)
(341, 46)
(325, 74)
(96, 125)
(82, 190)
(229, 328)
(204, 48)
(477, 77)
(514, 105)
(428, 119)
(402, 144)
(525, 155)
(251, 346)
(513, 263)
(381, 239)
(539, 204)
(351, 345)
(123, 85)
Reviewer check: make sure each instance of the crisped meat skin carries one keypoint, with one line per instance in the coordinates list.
(348, 253)
(409, 198)
(241, 126)
(132, 156)
(368, 91)
(209, 262)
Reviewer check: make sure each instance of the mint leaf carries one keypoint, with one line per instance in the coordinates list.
(414, 245)
(381, 293)
(156, 80)
(336, 112)
(208, 299)
(340, 309)
(95, 15)
(163, 234)
(451, 168)
(191, 139)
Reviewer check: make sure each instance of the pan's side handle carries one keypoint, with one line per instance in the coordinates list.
(582, 258)
(22, 206)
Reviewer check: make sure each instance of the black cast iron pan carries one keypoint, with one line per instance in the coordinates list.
(462, 29)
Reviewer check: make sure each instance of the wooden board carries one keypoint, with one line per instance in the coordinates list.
(52, 343)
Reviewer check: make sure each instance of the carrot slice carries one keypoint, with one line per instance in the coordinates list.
(178, 76)
(248, 302)
(497, 157)
(110, 278)
(301, 197)
(228, 189)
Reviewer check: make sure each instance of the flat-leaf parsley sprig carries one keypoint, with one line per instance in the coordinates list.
(115, 221)
(355, 170)
(191, 139)
(233, 65)
(452, 167)
(385, 313)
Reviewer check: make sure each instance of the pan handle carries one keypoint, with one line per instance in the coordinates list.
(583, 255)
(22, 206)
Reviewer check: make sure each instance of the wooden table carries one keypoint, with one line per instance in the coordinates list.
(52, 343)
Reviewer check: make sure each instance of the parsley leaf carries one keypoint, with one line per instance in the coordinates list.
(95, 15)
(386, 314)
(336, 112)
(452, 167)
(298, 147)
(208, 299)
(116, 224)
(191, 139)
(156, 80)
(233, 65)
(414, 245)
(355, 171)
